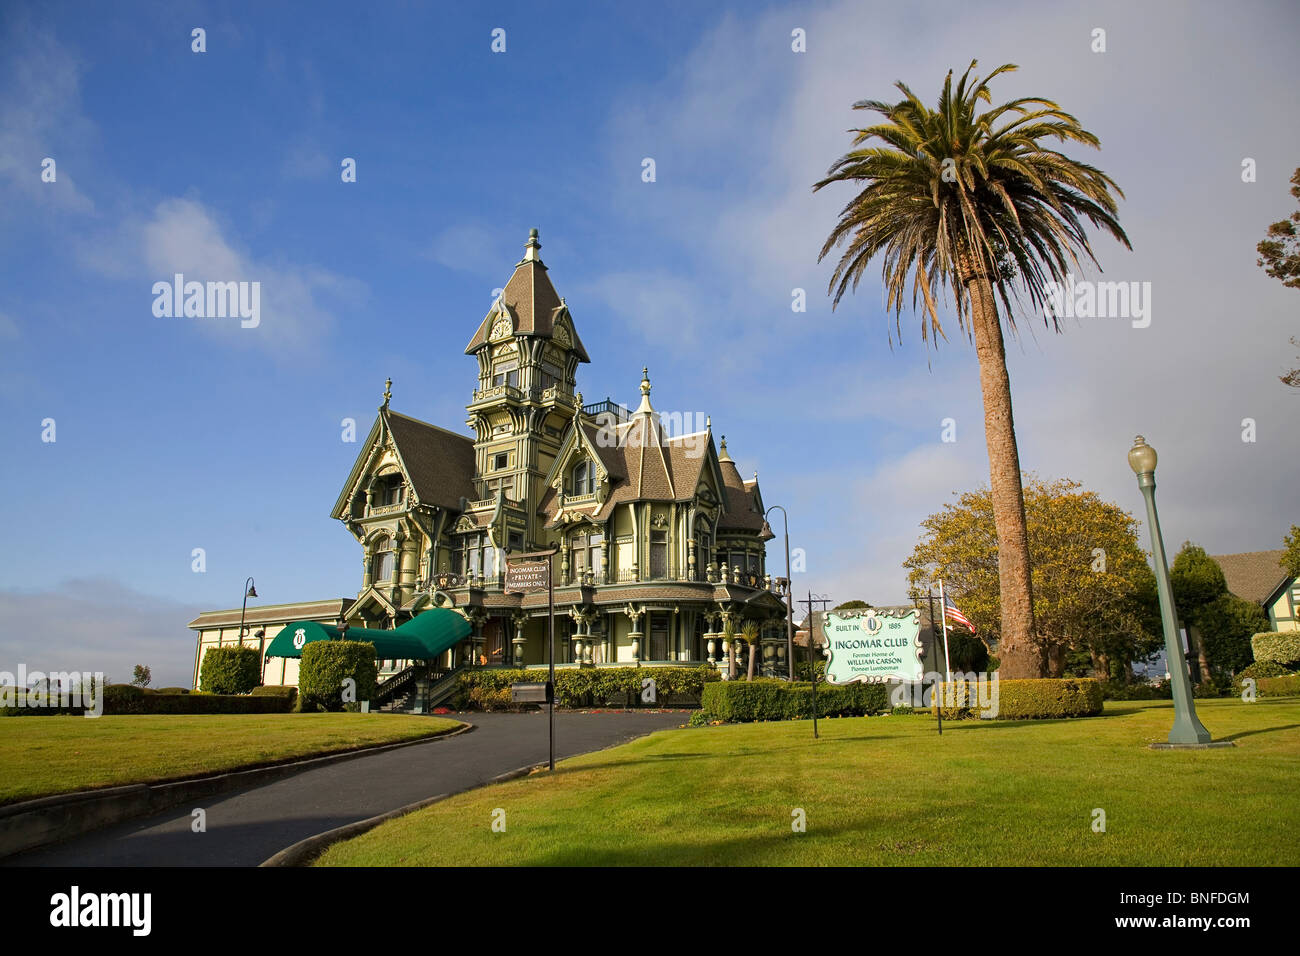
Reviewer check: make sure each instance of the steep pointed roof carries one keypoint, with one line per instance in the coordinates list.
(1255, 576)
(531, 301)
(439, 463)
(741, 512)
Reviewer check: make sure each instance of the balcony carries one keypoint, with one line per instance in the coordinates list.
(493, 392)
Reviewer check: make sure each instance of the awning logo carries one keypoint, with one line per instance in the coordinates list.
(299, 639)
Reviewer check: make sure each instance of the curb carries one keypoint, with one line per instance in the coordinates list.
(46, 820)
(305, 851)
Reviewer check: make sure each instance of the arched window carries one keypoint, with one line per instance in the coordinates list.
(383, 560)
(584, 477)
(703, 548)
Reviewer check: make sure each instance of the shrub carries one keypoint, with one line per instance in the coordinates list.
(1118, 690)
(771, 699)
(170, 690)
(229, 669)
(327, 664)
(587, 686)
(1279, 686)
(193, 703)
(1257, 670)
(289, 692)
(1280, 647)
(1039, 699)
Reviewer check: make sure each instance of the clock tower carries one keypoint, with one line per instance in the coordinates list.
(528, 353)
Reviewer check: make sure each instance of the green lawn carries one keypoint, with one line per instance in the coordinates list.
(884, 791)
(45, 755)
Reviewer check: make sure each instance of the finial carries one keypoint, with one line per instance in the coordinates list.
(577, 396)
(708, 422)
(756, 477)
(722, 454)
(388, 391)
(531, 247)
(645, 393)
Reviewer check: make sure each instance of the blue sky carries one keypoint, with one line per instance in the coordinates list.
(175, 433)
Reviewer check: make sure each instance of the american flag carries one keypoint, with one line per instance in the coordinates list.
(953, 614)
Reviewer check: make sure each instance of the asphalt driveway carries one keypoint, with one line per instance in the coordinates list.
(246, 827)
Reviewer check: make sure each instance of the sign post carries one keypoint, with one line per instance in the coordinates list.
(529, 573)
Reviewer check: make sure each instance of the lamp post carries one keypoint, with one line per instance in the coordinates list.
(766, 534)
(1187, 730)
(249, 591)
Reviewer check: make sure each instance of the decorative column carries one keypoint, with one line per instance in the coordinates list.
(634, 615)
(604, 558)
(690, 559)
(518, 642)
(367, 568)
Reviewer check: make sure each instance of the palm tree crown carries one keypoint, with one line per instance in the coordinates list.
(954, 195)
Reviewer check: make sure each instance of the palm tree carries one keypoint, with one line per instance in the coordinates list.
(979, 204)
(750, 634)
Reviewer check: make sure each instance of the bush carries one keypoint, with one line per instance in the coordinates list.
(1260, 669)
(230, 669)
(193, 704)
(170, 690)
(289, 692)
(1279, 686)
(1040, 699)
(1118, 690)
(327, 664)
(586, 686)
(1280, 647)
(771, 699)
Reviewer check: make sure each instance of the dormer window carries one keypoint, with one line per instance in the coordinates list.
(383, 559)
(584, 477)
(388, 491)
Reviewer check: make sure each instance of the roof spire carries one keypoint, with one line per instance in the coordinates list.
(388, 391)
(531, 247)
(722, 454)
(645, 393)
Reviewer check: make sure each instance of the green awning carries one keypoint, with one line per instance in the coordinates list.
(437, 628)
(423, 637)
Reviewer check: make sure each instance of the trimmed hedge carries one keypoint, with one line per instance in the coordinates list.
(1118, 690)
(489, 688)
(325, 666)
(275, 690)
(194, 703)
(229, 669)
(772, 699)
(1278, 686)
(1281, 647)
(1040, 699)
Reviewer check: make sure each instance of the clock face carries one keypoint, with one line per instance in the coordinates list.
(501, 328)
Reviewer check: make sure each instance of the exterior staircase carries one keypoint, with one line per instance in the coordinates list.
(416, 689)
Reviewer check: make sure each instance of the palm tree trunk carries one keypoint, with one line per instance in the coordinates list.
(751, 660)
(1020, 654)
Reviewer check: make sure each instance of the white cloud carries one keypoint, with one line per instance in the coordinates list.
(184, 236)
(97, 625)
(40, 117)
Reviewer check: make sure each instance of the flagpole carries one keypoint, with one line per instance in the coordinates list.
(943, 609)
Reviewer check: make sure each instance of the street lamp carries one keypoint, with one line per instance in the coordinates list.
(767, 535)
(1187, 730)
(249, 591)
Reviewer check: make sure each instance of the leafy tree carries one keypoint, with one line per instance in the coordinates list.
(1291, 559)
(1219, 624)
(983, 204)
(141, 676)
(1279, 257)
(853, 606)
(1093, 590)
